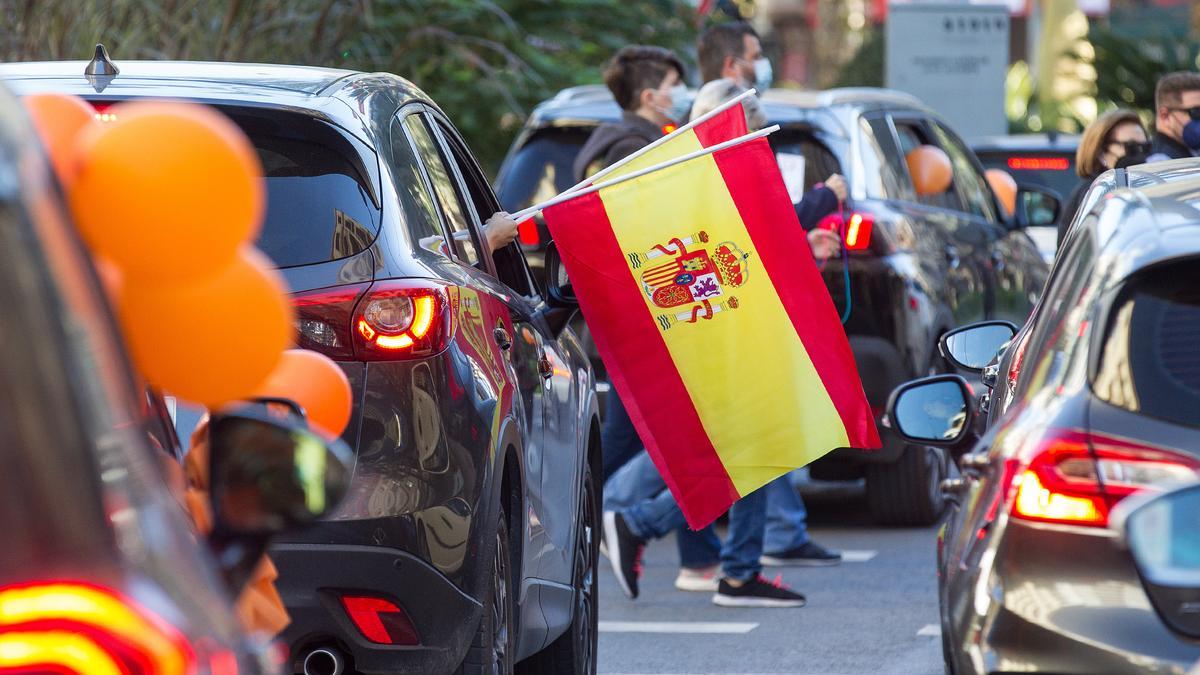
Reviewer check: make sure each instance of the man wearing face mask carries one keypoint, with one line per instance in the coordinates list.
(1177, 116)
(732, 61)
(647, 82)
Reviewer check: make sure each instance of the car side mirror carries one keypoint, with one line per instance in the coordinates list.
(1037, 206)
(560, 295)
(932, 411)
(1162, 532)
(268, 474)
(972, 347)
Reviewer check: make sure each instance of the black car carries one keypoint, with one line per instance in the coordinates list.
(101, 570)
(1104, 406)
(919, 265)
(466, 539)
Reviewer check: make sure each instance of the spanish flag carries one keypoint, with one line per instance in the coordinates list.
(701, 293)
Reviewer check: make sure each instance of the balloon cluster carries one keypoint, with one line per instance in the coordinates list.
(169, 197)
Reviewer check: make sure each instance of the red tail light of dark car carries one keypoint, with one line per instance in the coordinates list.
(1076, 478)
(72, 627)
(381, 321)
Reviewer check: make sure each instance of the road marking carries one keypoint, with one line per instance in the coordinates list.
(929, 630)
(732, 628)
(858, 556)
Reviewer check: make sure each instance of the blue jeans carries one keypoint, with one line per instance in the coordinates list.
(786, 527)
(656, 517)
(619, 440)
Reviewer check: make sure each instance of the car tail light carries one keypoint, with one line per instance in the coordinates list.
(70, 627)
(380, 621)
(324, 319)
(527, 232)
(1076, 478)
(855, 230)
(382, 321)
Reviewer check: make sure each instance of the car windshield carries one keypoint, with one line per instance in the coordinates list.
(319, 199)
(1055, 170)
(1148, 364)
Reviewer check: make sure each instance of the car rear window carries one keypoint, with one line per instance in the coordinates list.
(1149, 362)
(321, 201)
(1055, 170)
(541, 168)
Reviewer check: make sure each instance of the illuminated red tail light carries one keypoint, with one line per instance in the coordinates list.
(383, 321)
(855, 229)
(71, 627)
(380, 621)
(1039, 163)
(1076, 478)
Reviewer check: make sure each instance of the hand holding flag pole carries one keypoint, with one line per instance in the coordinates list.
(592, 180)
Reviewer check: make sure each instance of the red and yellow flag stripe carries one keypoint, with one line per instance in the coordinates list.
(735, 369)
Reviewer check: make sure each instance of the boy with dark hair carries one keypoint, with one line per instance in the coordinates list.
(647, 82)
(1176, 116)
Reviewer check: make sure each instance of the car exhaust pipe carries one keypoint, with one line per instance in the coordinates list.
(324, 661)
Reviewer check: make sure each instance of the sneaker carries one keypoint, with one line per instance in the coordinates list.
(758, 592)
(624, 552)
(811, 554)
(700, 579)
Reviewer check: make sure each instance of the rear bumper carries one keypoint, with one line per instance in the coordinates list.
(313, 576)
(1060, 600)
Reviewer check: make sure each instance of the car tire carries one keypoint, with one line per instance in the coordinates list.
(574, 651)
(495, 645)
(908, 492)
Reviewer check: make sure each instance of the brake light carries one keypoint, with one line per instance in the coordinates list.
(382, 321)
(380, 621)
(102, 113)
(855, 231)
(70, 627)
(527, 232)
(1077, 478)
(1039, 163)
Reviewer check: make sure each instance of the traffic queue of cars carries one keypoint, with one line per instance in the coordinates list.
(919, 264)
(466, 538)
(1092, 405)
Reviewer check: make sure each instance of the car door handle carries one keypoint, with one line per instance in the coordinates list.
(545, 367)
(502, 338)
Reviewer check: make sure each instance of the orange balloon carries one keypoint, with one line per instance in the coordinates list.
(315, 382)
(169, 191)
(930, 170)
(59, 119)
(1005, 187)
(213, 340)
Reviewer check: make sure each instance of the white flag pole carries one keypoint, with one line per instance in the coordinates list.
(566, 196)
(525, 213)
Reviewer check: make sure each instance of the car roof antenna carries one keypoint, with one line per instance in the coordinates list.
(100, 71)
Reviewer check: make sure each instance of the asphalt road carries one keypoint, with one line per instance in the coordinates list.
(872, 614)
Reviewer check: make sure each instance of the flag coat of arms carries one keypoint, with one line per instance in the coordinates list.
(700, 290)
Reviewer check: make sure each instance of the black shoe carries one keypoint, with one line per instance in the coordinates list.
(757, 592)
(624, 552)
(811, 554)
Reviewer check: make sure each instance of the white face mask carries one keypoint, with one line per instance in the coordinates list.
(680, 105)
(762, 74)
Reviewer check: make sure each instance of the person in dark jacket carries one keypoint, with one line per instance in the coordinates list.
(1176, 116)
(1116, 139)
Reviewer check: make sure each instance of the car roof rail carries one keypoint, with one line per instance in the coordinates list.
(583, 92)
(843, 96)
